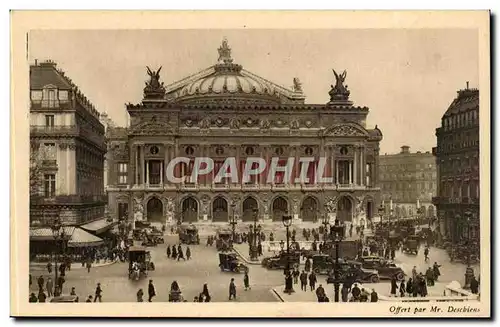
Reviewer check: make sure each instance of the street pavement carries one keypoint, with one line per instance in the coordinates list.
(190, 275)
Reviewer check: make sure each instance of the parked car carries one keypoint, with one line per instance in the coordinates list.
(387, 269)
(353, 271)
(280, 261)
(230, 262)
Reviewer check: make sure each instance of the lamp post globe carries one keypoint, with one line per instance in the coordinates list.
(338, 232)
(287, 222)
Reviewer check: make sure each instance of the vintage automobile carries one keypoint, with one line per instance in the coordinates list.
(323, 264)
(230, 262)
(386, 268)
(223, 240)
(411, 246)
(139, 256)
(280, 261)
(188, 234)
(353, 271)
(65, 299)
(142, 224)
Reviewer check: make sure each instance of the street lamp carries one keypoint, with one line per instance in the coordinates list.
(58, 234)
(337, 232)
(282, 245)
(469, 271)
(326, 223)
(254, 254)
(233, 221)
(287, 222)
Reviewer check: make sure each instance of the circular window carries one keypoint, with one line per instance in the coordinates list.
(279, 151)
(219, 150)
(249, 150)
(189, 150)
(154, 149)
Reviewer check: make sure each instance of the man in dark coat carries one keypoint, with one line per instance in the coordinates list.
(296, 275)
(174, 252)
(394, 286)
(373, 296)
(49, 267)
(308, 265)
(98, 293)
(409, 287)
(474, 285)
(41, 282)
(259, 249)
(344, 292)
(232, 290)
(402, 289)
(168, 251)
(188, 253)
(33, 298)
(41, 296)
(320, 293)
(303, 281)
(356, 292)
(314, 246)
(180, 254)
(437, 273)
(312, 281)
(151, 291)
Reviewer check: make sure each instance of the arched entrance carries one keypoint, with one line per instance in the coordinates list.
(423, 210)
(369, 209)
(344, 209)
(280, 207)
(397, 212)
(189, 210)
(403, 212)
(309, 210)
(155, 210)
(219, 210)
(248, 208)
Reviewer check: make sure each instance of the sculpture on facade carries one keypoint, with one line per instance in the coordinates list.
(339, 91)
(265, 124)
(138, 210)
(297, 85)
(170, 209)
(330, 205)
(225, 53)
(205, 123)
(359, 205)
(295, 124)
(234, 124)
(154, 85)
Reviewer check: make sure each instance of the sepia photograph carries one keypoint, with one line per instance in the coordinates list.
(250, 162)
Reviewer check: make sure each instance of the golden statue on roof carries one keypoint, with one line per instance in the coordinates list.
(225, 53)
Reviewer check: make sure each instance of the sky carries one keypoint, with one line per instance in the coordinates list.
(407, 77)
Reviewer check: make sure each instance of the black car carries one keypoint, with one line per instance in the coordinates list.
(355, 272)
(280, 261)
(230, 262)
(386, 268)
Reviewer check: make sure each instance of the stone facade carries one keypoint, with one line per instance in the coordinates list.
(457, 159)
(67, 150)
(225, 111)
(408, 181)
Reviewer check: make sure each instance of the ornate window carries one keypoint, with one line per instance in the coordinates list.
(49, 120)
(249, 150)
(154, 149)
(122, 173)
(49, 185)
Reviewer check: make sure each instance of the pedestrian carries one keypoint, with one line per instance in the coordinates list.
(393, 253)
(49, 267)
(437, 273)
(303, 281)
(364, 296)
(259, 249)
(89, 299)
(73, 291)
(474, 285)
(394, 286)
(246, 281)
(344, 292)
(41, 296)
(50, 287)
(89, 265)
(409, 287)
(365, 252)
(350, 230)
(40, 283)
(296, 274)
(205, 294)
(373, 296)
(168, 251)
(307, 265)
(188, 253)
(314, 246)
(312, 281)
(232, 290)
(140, 294)
(174, 252)
(33, 298)
(356, 292)
(98, 293)
(31, 280)
(180, 254)
(320, 293)
(402, 288)
(151, 291)
(426, 254)
(429, 276)
(414, 273)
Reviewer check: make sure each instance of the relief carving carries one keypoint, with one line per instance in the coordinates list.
(138, 209)
(205, 123)
(265, 124)
(331, 204)
(234, 124)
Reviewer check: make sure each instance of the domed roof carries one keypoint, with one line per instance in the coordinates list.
(227, 81)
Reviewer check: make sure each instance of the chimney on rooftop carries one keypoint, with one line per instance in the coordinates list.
(36, 62)
(405, 149)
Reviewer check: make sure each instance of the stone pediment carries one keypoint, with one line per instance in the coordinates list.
(153, 126)
(345, 130)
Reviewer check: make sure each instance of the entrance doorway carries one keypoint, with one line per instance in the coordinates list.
(280, 208)
(122, 211)
(189, 210)
(309, 210)
(219, 210)
(369, 210)
(155, 210)
(344, 209)
(249, 205)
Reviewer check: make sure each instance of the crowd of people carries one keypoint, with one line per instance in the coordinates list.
(176, 253)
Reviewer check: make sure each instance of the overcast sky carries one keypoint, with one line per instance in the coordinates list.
(407, 78)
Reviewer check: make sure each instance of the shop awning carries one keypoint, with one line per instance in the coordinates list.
(98, 226)
(81, 238)
(45, 233)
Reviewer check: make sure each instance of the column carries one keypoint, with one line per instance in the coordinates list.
(147, 173)
(336, 164)
(161, 172)
(165, 162)
(141, 154)
(355, 180)
(350, 172)
(136, 167)
(362, 166)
